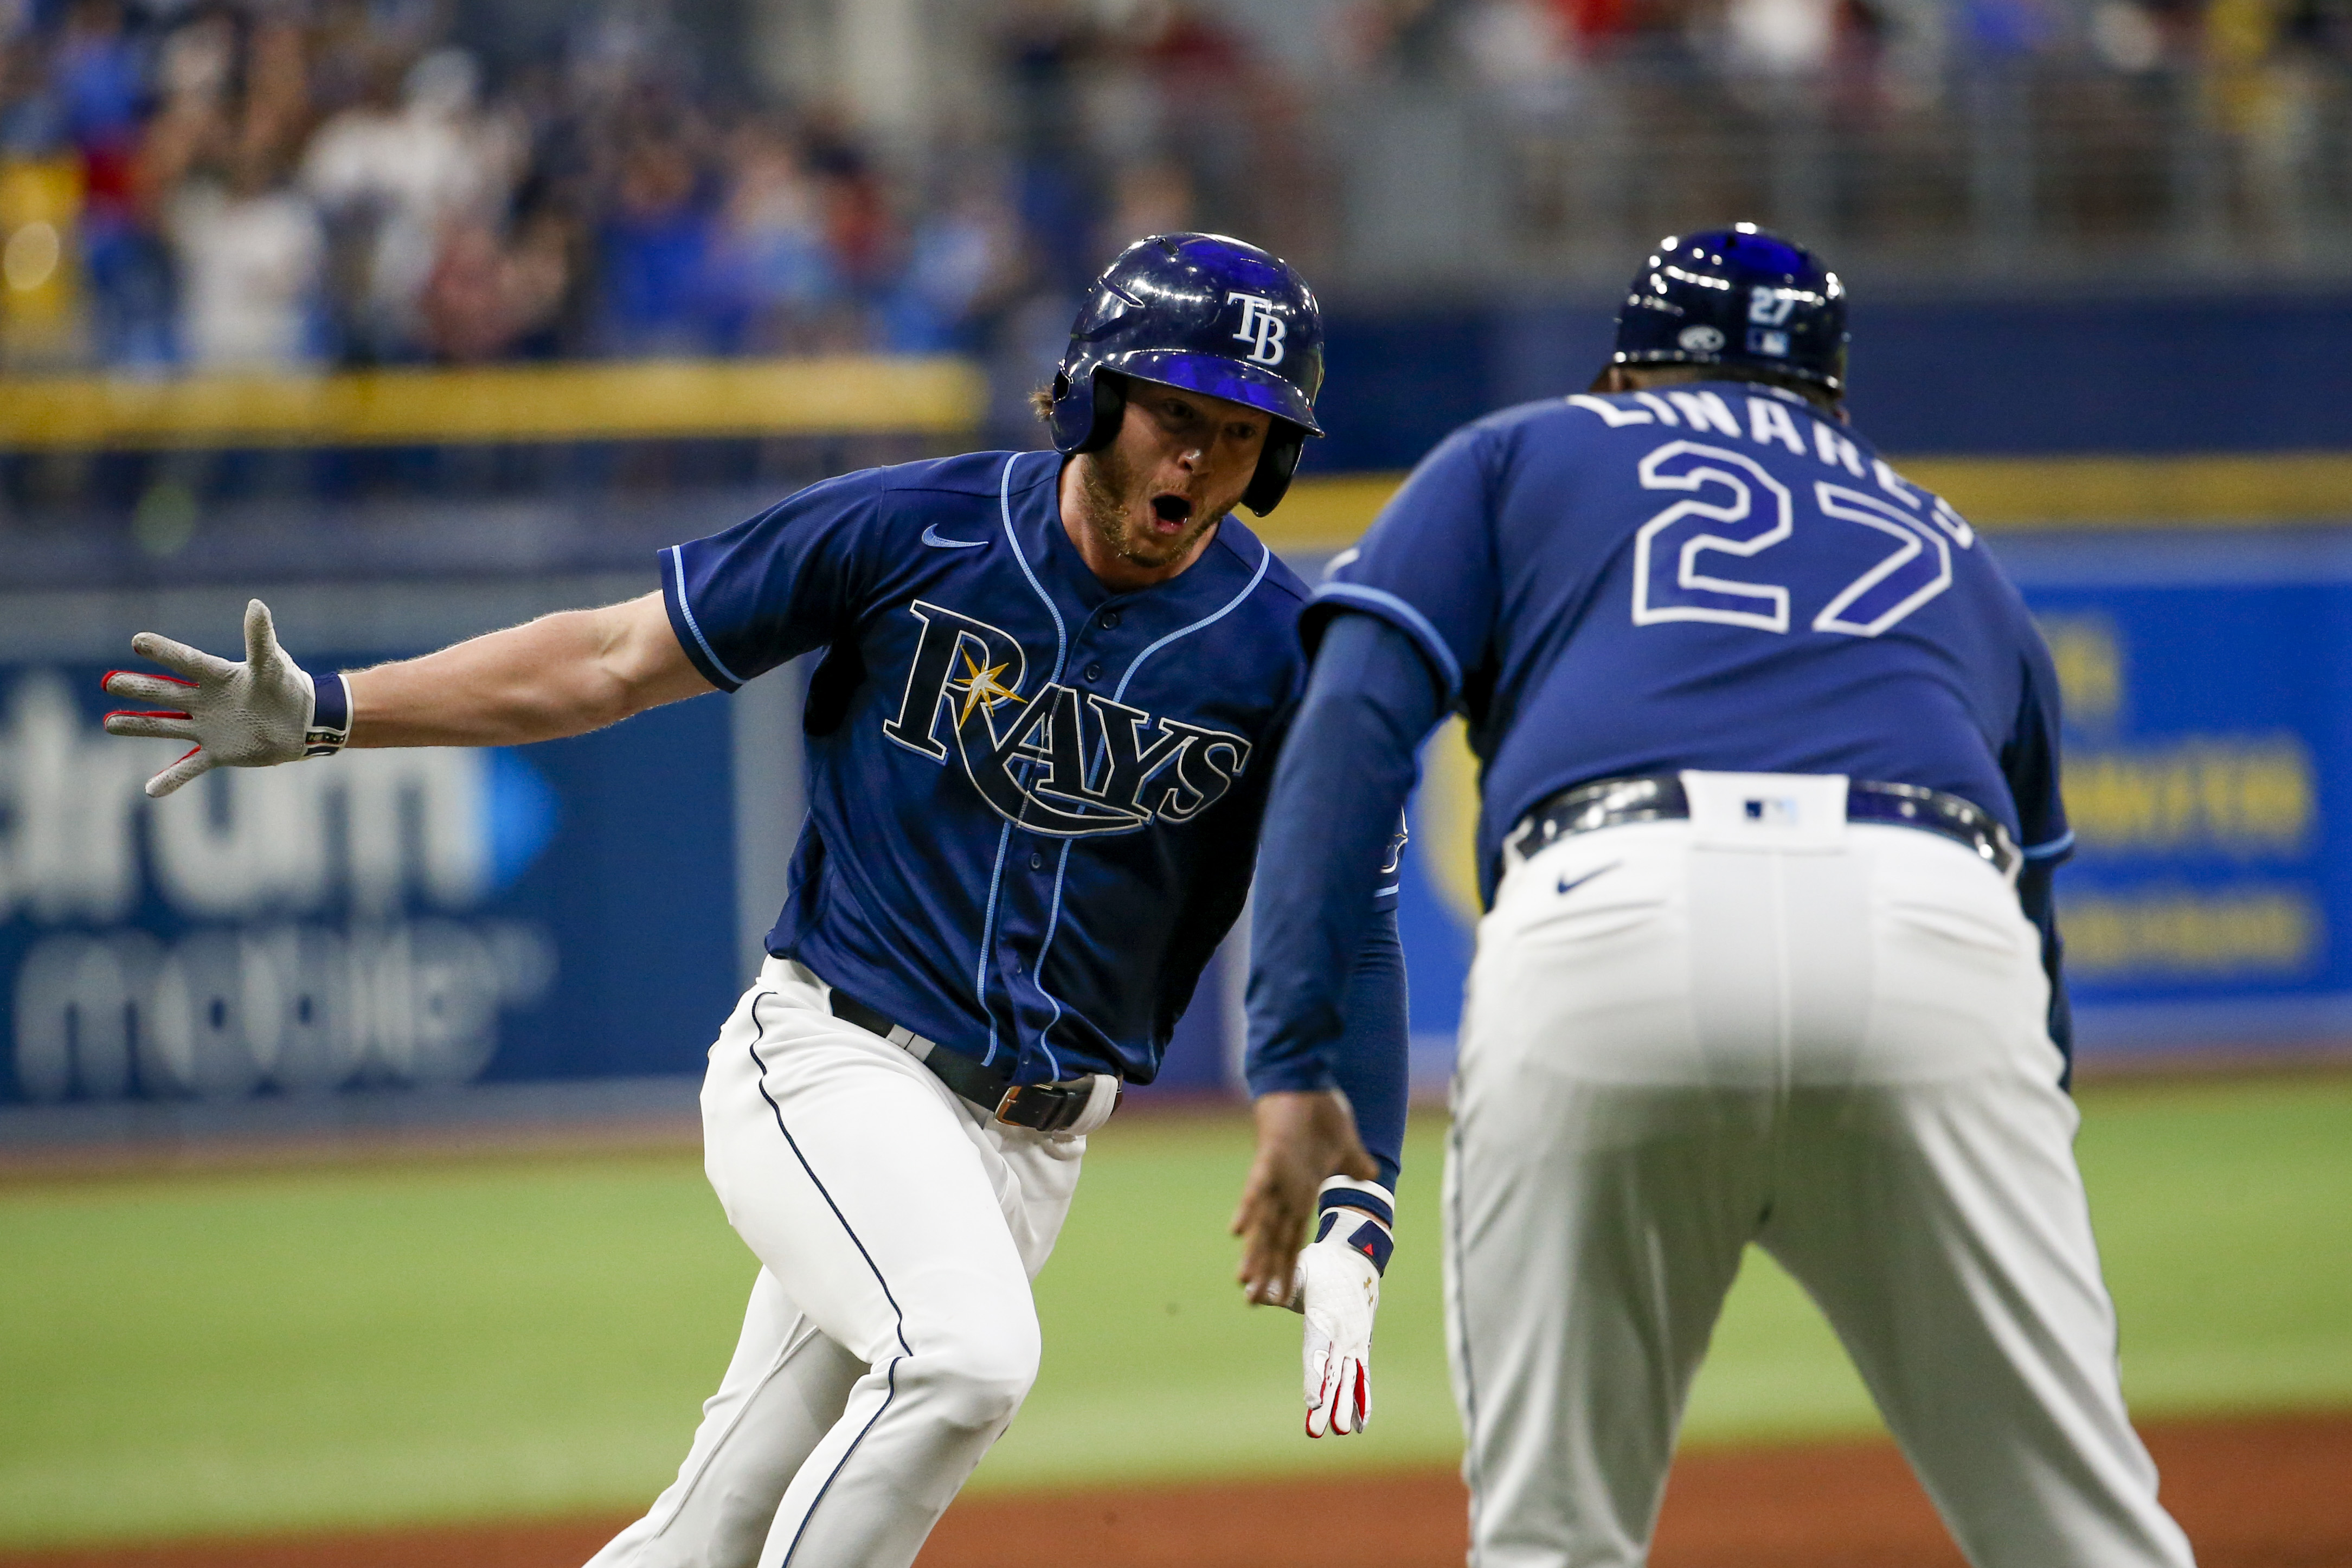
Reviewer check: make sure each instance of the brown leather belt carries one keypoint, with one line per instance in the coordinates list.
(1040, 1107)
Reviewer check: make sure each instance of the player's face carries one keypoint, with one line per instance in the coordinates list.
(1181, 461)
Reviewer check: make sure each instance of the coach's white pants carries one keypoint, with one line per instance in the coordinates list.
(1680, 1039)
(891, 1334)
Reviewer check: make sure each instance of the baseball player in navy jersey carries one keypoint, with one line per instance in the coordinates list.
(1769, 810)
(1039, 742)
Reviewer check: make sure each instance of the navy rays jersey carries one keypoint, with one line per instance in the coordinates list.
(1034, 803)
(1654, 559)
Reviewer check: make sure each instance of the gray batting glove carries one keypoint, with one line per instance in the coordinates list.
(1339, 1290)
(250, 715)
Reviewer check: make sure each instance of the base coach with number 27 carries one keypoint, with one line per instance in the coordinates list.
(1052, 690)
(1769, 808)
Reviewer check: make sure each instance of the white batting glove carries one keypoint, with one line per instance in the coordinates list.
(1339, 1289)
(251, 715)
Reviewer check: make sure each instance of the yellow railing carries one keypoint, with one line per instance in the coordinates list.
(1996, 494)
(2259, 490)
(635, 401)
(945, 398)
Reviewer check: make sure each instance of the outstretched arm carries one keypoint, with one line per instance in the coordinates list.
(563, 674)
(560, 675)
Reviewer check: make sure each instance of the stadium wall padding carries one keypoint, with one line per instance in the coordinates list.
(1982, 376)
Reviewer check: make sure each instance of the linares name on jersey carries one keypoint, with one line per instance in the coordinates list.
(1034, 803)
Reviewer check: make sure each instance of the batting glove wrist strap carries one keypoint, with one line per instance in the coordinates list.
(1359, 1233)
(330, 717)
(1345, 1192)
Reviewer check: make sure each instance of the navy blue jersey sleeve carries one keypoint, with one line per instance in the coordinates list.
(1330, 828)
(1392, 881)
(1427, 567)
(771, 588)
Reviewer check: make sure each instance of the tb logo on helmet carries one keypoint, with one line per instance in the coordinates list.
(1163, 312)
(1261, 328)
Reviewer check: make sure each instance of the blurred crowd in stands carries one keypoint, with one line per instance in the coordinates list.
(257, 186)
(275, 184)
(226, 187)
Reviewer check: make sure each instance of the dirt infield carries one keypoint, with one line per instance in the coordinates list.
(2268, 1493)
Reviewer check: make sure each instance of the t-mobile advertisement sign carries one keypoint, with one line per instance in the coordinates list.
(430, 917)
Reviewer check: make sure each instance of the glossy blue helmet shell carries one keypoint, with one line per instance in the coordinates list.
(1213, 315)
(1737, 296)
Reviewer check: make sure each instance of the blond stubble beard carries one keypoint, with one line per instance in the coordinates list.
(1104, 487)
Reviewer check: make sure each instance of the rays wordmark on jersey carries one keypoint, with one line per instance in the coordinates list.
(1057, 761)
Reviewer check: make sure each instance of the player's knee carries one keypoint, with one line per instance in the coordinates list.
(977, 1380)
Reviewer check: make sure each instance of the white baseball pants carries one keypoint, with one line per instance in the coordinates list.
(1768, 1026)
(891, 1334)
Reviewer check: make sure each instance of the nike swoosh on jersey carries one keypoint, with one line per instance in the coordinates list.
(931, 537)
(1567, 886)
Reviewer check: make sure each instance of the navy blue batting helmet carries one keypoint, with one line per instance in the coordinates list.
(1737, 296)
(1212, 315)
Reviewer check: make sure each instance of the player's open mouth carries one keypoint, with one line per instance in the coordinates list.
(1172, 510)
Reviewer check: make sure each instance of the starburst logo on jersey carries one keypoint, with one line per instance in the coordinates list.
(1058, 761)
(980, 687)
(1261, 328)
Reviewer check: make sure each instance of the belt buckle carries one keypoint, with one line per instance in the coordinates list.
(1031, 1106)
(1050, 1107)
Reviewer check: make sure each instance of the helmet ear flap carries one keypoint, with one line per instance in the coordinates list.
(1277, 462)
(1087, 420)
(1109, 411)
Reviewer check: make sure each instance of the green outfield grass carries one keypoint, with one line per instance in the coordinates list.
(207, 1354)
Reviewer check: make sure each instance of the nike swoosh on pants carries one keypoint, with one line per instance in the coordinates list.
(1566, 886)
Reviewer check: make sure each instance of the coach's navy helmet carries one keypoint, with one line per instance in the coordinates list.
(1737, 296)
(1207, 313)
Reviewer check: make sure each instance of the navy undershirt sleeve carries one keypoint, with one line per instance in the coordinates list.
(1345, 771)
(1371, 1068)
